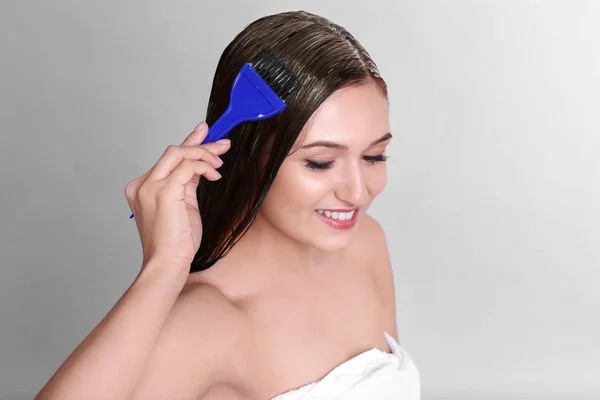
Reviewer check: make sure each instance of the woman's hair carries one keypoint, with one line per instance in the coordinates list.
(324, 57)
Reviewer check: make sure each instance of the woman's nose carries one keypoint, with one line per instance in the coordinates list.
(352, 187)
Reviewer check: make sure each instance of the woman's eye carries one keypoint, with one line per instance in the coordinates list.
(323, 165)
(319, 165)
(374, 159)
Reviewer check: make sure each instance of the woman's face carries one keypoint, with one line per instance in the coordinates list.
(334, 172)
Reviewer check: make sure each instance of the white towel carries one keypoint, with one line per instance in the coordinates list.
(373, 375)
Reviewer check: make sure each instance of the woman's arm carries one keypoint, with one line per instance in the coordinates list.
(204, 343)
(109, 362)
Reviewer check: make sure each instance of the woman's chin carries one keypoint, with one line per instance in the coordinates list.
(332, 244)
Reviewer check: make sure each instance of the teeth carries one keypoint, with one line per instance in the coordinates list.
(342, 216)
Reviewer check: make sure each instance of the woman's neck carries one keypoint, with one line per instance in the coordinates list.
(265, 259)
(272, 249)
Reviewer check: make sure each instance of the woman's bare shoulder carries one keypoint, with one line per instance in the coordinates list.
(211, 318)
(201, 294)
(373, 243)
(200, 346)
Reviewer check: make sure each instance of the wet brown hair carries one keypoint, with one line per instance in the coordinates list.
(324, 57)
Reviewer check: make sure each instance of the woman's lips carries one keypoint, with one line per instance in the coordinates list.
(339, 224)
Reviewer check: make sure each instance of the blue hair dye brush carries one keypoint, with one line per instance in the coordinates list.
(259, 91)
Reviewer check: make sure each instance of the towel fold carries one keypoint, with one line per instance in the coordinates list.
(373, 375)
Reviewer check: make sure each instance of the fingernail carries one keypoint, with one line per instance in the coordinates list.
(199, 126)
(223, 141)
(220, 161)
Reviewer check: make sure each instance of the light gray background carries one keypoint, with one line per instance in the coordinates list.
(492, 211)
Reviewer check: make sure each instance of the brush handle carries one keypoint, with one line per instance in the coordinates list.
(222, 126)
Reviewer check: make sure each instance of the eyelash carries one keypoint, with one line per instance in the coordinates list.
(321, 166)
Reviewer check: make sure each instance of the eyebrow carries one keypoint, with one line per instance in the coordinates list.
(333, 145)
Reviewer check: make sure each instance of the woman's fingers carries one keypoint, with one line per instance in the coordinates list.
(190, 149)
(219, 147)
(187, 169)
(197, 136)
(174, 155)
(182, 165)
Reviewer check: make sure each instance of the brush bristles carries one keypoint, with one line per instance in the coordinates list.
(274, 72)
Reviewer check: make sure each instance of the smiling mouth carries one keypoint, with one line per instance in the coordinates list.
(340, 215)
(339, 219)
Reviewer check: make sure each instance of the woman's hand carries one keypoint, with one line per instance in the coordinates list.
(164, 200)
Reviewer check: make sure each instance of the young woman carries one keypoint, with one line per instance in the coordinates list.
(267, 279)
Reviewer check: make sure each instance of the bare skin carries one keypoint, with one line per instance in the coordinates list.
(290, 331)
